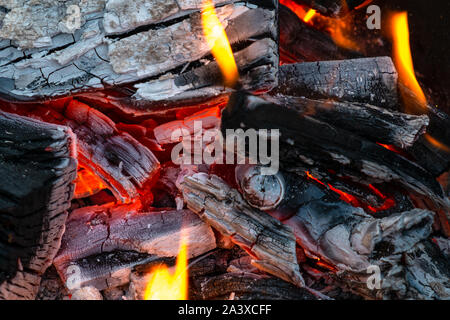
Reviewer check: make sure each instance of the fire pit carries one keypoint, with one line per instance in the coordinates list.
(219, 150)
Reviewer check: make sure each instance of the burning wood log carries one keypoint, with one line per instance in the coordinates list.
(109, 43)
(37, 167)
(102, 243)
(269, 243)
(378, 124)
(324, 144)
(300, 42)
(369, 80)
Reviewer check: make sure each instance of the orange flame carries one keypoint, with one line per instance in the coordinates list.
(309, 15)
(437, 144)
(402, 55)
(219, 44)
(165, 285)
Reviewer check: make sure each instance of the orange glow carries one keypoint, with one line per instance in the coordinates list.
(165, 285)
(218, 42)
(402, 55)
(87, 183)
(338, 28)
(309, 15)
(436, 143)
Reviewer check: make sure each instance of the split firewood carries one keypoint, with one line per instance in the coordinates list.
(103, 243)
(74, 46)
(322, 144)
(37, 168)
(269, 243)
(300, 42)
(378, 124)
(369, 80)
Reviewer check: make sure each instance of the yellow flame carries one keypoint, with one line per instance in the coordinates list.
(218, 42)
(402, 55)
(165, 285)
(309, 15)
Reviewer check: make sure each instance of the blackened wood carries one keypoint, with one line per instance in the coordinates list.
(103, 243)
(327, 145)
(300, 42)
(37, 168)
(369, 80)
(377, 124)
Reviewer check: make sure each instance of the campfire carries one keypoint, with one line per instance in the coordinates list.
(177, 149)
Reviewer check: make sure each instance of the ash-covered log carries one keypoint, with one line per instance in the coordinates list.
(369, 80)
(103, 243)
(300, 42)
(318, 143)
(37, 168)
(79, 46)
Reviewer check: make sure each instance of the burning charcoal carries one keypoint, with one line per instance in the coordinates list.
(324, 144)
(369, 80)
(300, 42)
(37, 168)
(378, 124)
(109, 43)
(102, 243)
(270, 244)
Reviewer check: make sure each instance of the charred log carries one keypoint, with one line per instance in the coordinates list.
(368, 80)
(319, 143)
(37, 167)
(377, 124)
(333, 7)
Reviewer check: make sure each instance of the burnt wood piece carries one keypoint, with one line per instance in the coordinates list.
(332, 7)
(368, 80)
(377, 124)
(37, 168)
(269, 243)
(300, 42)
(102, 243)
(257, 65)
(119, 43)
(322, 144)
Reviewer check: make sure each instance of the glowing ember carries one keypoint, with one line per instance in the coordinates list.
(402, 55)
(218, 42)
(309, 15)
(165, 285)
(87, 183)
